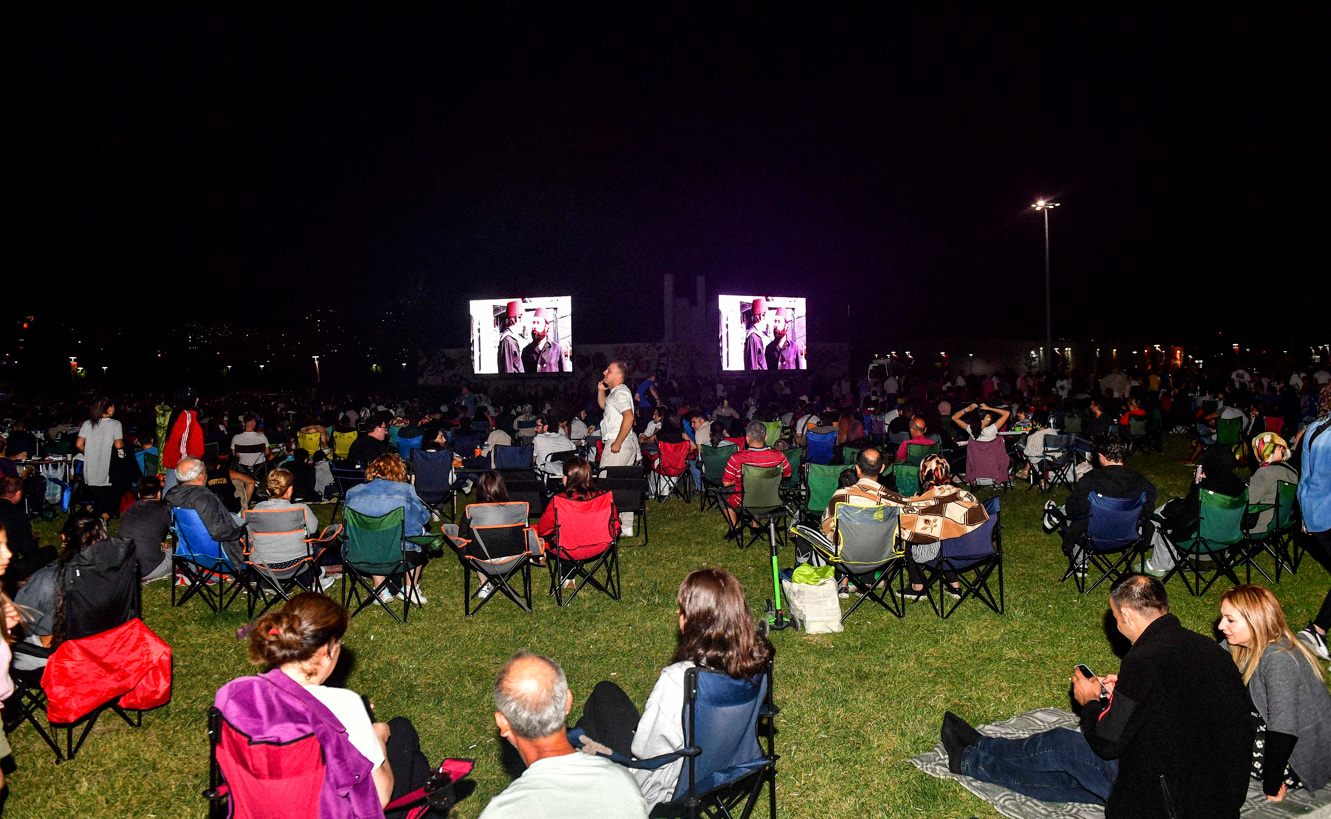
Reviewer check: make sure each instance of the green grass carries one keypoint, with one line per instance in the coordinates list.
(854, 705)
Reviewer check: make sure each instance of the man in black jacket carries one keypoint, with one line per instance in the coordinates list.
(192, 492)
(1170, 735)
(1110, 479)
(28, 554)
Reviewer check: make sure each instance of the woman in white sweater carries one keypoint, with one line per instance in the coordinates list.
(717, 632)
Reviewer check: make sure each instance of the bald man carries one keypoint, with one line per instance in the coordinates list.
(532, 702)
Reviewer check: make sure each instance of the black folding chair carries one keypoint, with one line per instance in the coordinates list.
(502, 545)
(345, 478)
(973, 558)
(628, 484)
(432, 474)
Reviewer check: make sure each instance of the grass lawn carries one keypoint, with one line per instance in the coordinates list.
(854, 706)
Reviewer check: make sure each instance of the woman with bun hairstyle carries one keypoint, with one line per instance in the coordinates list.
(368, 763)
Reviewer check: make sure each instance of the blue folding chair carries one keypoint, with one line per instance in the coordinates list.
(345, 479)
(1112, 541)
(203, 564)
(973, 558)
(512, 457)
(725, 764)
(406, 446)
(821, 446)
(433, 473)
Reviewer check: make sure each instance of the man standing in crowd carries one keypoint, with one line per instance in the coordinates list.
(620, 444)
(782, 351)
(755, 346)
(1170, 735)
(510, 343)
(372, 443)
(532, 702)
(542, 355)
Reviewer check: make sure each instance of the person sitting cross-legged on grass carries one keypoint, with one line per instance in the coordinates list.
(1110, 479)
(532, 701)
(717, 632)
(1168, 736)
(367, 763)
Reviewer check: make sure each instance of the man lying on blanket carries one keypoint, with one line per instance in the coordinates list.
(1168, 736)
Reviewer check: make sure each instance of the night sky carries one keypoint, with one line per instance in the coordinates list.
(380, 158)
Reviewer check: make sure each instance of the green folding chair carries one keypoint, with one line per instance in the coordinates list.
(1279, 539)
(1219, 536)
(820, 485)
(849, 454)
(791, 488)
(773, 432)
(906, 476)
(1072, 424)
(760, 504)
(375, 546)
(713, 466)
(1229, 432)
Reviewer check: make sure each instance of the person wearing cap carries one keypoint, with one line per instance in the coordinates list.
(782, 352)
(542, 355)
(755, 346)
(510, 343)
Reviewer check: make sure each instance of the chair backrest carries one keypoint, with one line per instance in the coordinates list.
(674, 458)
(374, 544)
(1274, 424)
(345, 478)
(393, 433)
(466, 445)
(250, 449)
(512, 457)
(525, 485)
(1221, 520)
(867, 534)
(761, 486)
(714, 459)
(342, 442)
(1228, 431)
(276, 535)
(916, 453)
(821, 446)
(773, 432)
(721, 719)
(1287, 498)
(823, 481)
(193, 543)
(308, 441)
(268, 780)
(584, 528)
(907, 477)
(433, 473)
(1072, 423)
(499, 532)
(1057, 444)
(406, 446)
(849, 454)
(1114, 522)
(975, 545)
(1137, 425)
(151, 463)
(101, 587)
(794, 457)
(628, 485)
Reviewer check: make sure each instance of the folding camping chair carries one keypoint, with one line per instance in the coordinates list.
(906, 474)
(259, 471)
(792, 488)
(773, 432)
(973, 558)
(849, 454)
(432, 475)
(713, 467)
(1219, 535)
(585, 542)
(342, 442)
(864, 550)
(628, 484)
(760, 503)
(821, 447)
(526, 486)
(279, 558)
(1058, 462)
(468, 445)
(1112, 541)
(1229, 432)
(988, 464)
(1138, 433)
(203, 564)
(502, 545)
(1280, 538)
(725, 763)
(308, 441)
(376, 546)
(344, 479)
(512, 457)
(821, 484)
(406, 446)
(670, 471)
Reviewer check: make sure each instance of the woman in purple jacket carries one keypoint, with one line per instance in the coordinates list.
(368, 763)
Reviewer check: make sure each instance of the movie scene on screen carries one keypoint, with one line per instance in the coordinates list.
(763, 333)
(522, 336)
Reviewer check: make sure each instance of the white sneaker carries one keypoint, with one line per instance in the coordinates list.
(1049, 524)
(325, 582)
(485, 590)
(417, 599)
(1315, 641)
(387, 596)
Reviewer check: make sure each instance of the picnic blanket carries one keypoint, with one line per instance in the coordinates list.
(1017, 806)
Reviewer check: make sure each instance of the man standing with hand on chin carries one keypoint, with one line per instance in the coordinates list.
(621, 445)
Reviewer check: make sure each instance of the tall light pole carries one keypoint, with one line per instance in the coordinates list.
(1044, 206)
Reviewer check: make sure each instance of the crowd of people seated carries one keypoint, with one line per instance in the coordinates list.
(277, 454)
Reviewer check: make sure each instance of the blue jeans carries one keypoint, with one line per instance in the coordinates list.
(1054, 766)
(697, 475)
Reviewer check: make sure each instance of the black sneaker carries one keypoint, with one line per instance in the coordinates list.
(1314, 641)
(913, 595)
(952, 591)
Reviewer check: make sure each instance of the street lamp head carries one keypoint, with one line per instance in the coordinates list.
(1044, 204)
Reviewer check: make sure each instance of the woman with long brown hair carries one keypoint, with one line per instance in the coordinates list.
(1288, 688)
(716, 632)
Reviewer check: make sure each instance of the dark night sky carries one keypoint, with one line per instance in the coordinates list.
(378, 157)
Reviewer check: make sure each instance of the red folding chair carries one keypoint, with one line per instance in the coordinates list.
(584, 543)
(669, 469)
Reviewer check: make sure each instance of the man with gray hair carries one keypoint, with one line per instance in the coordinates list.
(756, 453)
(191, 492)
(532, 701)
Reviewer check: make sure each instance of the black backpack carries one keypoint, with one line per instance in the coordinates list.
(101, 588)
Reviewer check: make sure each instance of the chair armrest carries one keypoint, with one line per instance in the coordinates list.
(579, 740)
(331, 532)
(31, 650)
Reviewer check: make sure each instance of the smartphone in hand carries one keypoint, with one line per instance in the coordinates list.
(1086, 672)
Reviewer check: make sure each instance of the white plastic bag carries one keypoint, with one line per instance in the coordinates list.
(814, 607)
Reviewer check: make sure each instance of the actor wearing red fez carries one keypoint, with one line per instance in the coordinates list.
(542, 355)
(754, 358)
(510, 343)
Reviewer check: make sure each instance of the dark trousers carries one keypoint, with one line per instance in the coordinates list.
(917, 577)
(411, 770)
(1053, 766)
(610, 718)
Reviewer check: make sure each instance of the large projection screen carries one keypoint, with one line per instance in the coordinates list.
(763, 333)
(521, 336)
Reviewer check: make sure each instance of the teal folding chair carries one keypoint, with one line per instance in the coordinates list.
(1219, 536)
